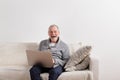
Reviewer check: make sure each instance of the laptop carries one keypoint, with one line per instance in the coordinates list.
(39, 57)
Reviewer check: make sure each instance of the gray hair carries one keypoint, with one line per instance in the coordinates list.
(54, 25)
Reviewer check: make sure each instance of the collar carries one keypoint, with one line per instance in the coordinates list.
(56, 41)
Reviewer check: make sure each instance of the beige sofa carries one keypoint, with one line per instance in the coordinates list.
(14, 65)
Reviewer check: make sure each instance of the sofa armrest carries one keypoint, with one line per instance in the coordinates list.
(94, 67)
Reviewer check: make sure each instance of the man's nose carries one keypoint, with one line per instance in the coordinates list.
(53, 33)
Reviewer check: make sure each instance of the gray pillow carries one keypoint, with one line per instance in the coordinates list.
(79, 60)
(80, 66)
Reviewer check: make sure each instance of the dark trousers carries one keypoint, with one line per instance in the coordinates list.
(36, 70)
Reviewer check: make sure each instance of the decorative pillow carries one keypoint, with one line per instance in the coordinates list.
(78, 60)
(80, 66)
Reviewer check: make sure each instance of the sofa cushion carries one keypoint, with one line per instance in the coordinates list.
(44, 76)
(76, 75)
(14, 53)
(13, 72)
(81, 66)
(73, 47)
(81, 75)
(78, 58)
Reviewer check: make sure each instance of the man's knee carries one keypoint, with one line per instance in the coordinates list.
(34, 70)
(57, 70)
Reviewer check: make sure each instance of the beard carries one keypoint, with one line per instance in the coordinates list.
(53, 36)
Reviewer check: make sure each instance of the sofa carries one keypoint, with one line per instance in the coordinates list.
(14, 64)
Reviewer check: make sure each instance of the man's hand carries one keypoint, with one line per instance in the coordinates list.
(73, 68)
(53, 61)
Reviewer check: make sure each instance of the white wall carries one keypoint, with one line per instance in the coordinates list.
(96, 22)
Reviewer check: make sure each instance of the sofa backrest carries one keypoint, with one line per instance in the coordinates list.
(73, 47)
(15, 53)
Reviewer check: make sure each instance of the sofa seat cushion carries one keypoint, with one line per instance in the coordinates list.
(74, 75)
(44, 76)
(13, 72)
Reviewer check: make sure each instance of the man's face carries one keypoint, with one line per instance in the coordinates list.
(53, 32)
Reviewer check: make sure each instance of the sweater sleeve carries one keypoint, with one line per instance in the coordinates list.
(65, 57)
